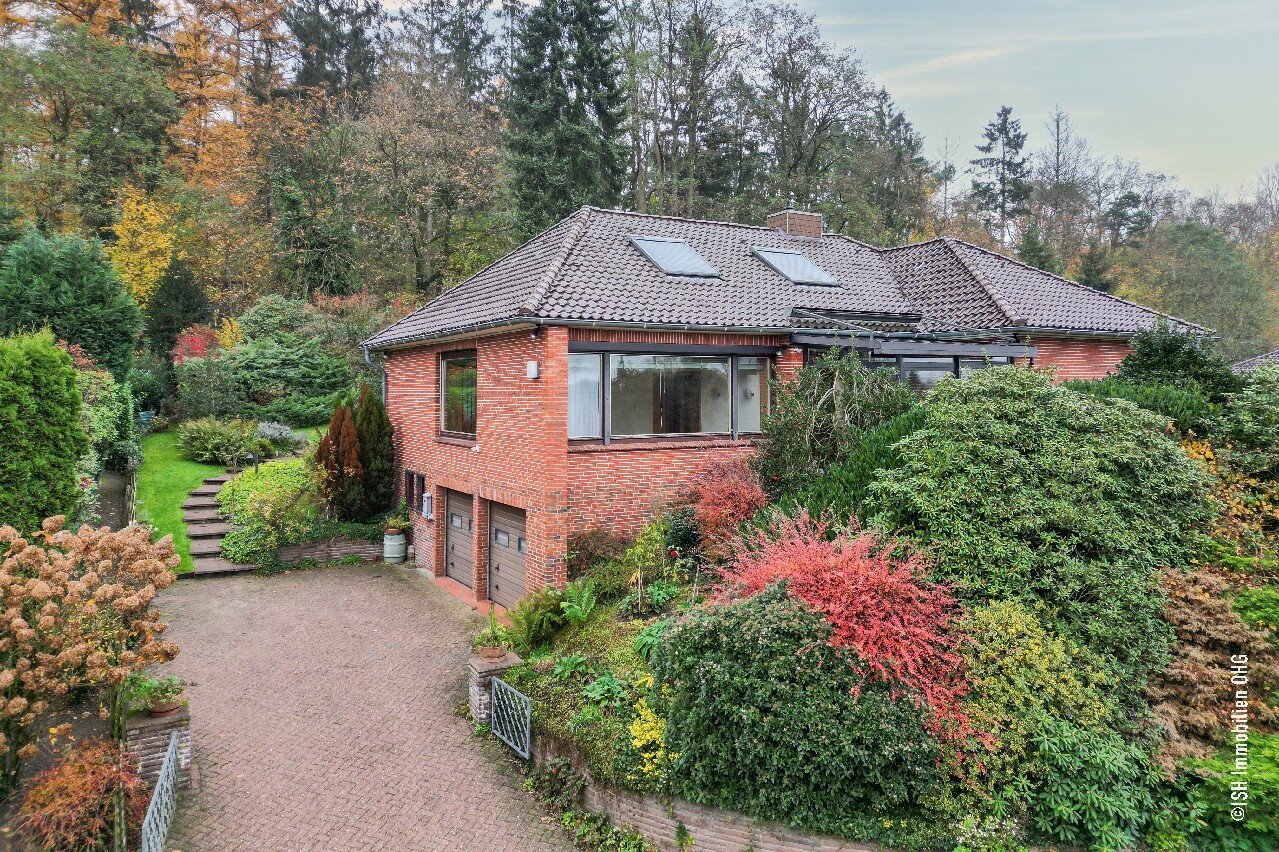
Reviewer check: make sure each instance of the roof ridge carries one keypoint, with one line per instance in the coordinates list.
(459, 287)
(1077, 284)
(915, 244)
(552, 271)
(620, 212)
(1005, 307)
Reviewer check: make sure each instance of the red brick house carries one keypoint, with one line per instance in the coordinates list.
(584, 379)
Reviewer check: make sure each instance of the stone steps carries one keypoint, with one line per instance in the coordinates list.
(206, 527)
(215, 527)
(206, 547)
(200, 516)
(206, 566)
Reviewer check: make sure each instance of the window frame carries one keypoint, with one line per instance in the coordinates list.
(605, 400)
(457, 355)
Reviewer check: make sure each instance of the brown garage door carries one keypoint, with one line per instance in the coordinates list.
(459, 537)
(506, 554)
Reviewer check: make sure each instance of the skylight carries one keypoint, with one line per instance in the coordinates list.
(793, 265)
(674, 257)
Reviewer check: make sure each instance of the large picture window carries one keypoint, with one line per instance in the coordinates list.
(457, 393)
(618, 395)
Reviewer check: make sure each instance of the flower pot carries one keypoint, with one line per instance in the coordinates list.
(160, 709)
(492, 652)
(394, 546)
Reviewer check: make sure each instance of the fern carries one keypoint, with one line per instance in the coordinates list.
(579, 600)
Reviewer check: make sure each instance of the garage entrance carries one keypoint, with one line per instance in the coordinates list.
(459, 538)
(506, 554)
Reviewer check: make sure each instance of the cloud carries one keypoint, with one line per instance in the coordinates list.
(950, 62)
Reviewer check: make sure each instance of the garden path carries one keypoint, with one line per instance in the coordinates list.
(323, 716)
(206, 528)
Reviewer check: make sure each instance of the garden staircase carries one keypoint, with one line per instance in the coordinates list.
(206, 527)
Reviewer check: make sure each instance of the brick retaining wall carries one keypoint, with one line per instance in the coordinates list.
(147, 742)
(712, 829)
(480, 683)
(331, 550)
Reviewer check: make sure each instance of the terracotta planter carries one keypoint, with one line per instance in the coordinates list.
(492, 653)
(166, 708)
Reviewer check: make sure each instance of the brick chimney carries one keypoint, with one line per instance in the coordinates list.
(797, 222)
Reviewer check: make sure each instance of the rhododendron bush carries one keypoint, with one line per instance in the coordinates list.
(874, 598)
(77, 613)
(759, 706)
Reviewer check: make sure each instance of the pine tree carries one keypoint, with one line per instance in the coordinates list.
(1033, 250)
(1096, 267)
(338, 458)
(565, 112)
(338, 44)
(467, 46)
(373, 430)
(178, 302)
(1001, 185)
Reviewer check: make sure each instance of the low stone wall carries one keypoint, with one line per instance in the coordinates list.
(711, 829)
(147, 742)
(331, 550)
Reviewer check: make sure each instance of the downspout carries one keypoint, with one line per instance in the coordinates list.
(368, 359)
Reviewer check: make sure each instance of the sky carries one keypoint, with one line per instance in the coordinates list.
(1190, 89)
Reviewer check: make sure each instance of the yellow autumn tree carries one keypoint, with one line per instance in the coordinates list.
(230, 335)
(145, 245)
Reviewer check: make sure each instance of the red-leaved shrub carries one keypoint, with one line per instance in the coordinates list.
(197, 341)
(70, 805)
(872, 592)
(727, 493)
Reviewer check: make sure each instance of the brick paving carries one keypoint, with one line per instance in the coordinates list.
(323, 716)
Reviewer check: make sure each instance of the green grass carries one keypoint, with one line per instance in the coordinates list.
(164, 481)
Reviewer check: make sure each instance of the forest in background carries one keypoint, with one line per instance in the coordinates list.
(223, 150)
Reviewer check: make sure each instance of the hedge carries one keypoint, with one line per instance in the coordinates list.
(41, 440)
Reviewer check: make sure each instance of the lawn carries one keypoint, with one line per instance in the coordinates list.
(163, 482)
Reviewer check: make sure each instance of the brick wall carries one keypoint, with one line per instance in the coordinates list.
(521, 454)
(518, 457)
(1079, 358)
(147, 743)
(622, 485)
(331, 550)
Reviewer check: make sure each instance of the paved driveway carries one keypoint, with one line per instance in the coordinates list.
(323, 716)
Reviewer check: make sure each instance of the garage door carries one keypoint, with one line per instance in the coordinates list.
(459, 538)
(506, 554)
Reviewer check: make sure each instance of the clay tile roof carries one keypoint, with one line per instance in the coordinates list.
(1270, 359)
(585, 269)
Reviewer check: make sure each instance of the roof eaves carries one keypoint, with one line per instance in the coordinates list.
(1065, 280)
(460, 331)
(535, 298)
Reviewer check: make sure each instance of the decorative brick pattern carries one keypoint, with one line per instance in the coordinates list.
(147, 742)
(1079, 359)
(480, 684)
(324, 719)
